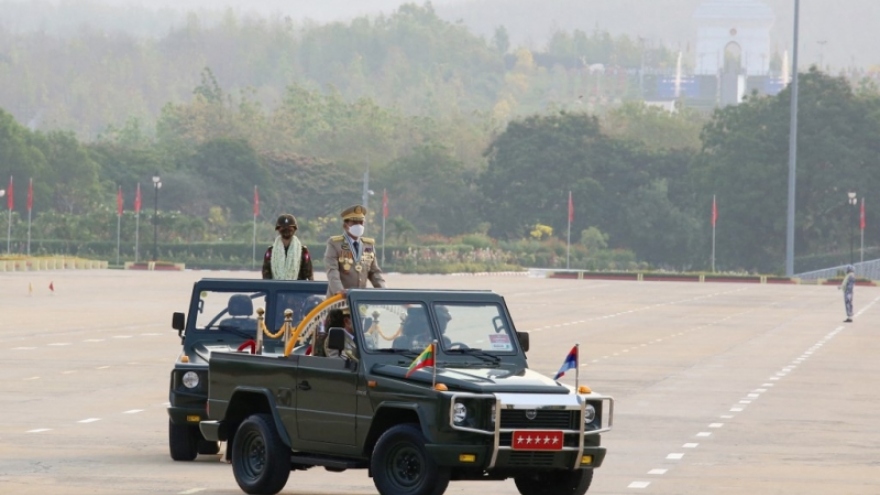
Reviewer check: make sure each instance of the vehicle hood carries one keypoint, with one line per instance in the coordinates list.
(480, 380)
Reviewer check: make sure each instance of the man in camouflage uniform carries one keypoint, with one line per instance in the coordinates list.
(350, 258)
(287, 258)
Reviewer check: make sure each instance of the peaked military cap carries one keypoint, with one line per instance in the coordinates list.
(356, 212)
(286, 220)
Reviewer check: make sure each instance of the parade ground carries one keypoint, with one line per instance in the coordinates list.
(720, 388)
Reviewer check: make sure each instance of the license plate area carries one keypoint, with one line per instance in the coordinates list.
(537, 440)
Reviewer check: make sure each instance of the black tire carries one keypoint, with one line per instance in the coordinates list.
(575, 482)
(260, 460)
(183, 441)
(207, 447)
(402, 466)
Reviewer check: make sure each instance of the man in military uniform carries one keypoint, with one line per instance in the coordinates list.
(287, 258)
(350, 258)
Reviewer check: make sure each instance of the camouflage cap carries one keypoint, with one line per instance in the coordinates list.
(356, 212)
(285, 220)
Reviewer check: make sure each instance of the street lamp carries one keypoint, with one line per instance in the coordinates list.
(157, 184)
(853, 200)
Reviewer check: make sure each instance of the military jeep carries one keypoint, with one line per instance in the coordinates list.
(478, 414)
(223, 317)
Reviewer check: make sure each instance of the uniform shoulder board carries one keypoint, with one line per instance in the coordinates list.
(368, 240)
(337, 238)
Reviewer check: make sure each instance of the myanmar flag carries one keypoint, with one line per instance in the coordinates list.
(425, 359)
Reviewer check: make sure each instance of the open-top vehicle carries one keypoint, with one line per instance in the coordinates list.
(222, 317)
(479, 413)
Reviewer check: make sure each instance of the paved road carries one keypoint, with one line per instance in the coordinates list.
(720, 388)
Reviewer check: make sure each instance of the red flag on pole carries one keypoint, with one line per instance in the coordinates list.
(256, 202)
(862, 215)
(52, 286)
(10, 195)
(137, 199)
(30, 197)
(384, 204)
(119, 202)
(714, 211)
(570, 208)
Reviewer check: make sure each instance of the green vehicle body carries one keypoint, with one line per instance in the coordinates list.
(342, 413)
(209, 302)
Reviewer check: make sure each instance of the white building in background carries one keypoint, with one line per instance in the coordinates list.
(733, 47)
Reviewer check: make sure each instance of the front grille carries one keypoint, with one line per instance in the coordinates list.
(545, 419)
(532, 459)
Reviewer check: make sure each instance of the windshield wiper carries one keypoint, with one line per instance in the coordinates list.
(406, 352)
(485, 356)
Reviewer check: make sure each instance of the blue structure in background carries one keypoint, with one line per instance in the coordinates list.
(689, 87)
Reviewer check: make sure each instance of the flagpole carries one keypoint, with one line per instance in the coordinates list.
(384, 215)
(118, 228)
(862, 225)
(9, 200)
(577, 368)
(434, 368)
(137, 223)
(30, 206)
(256, 212)
(714, 215)
(568, 247)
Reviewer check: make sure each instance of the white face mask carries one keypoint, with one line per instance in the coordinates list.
(356, 230)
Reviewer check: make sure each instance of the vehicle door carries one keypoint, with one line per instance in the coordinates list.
(326, 399)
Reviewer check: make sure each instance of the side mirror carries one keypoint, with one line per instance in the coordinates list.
(336, 339)
(178, 322)
(523, 338)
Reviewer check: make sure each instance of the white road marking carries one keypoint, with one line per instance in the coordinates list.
(191, 491)
(32, 378)
(122, 336)
(58, 344)
(102, 367)
(657, 471)
(133, 411)
(674, 456)
(704, 434)
(38, 430)
(690, 445)
(93, 340)
(736, 409)
(89, 420)
(639, 484)
(716, 425)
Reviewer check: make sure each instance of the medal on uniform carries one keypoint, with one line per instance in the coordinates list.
(358, 267)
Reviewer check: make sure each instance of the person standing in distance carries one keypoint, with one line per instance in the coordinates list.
(350, 258)
(847, 286)
(287, 258)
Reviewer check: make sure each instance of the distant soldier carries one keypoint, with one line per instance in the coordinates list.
(847, 286)
(287, 258)
(350, 259)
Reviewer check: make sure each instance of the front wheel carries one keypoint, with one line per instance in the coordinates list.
(402, 466)
(575, 482)
(183, 441)
(260, 460)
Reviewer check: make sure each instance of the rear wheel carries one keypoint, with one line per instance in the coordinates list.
(402, 466)
(260, 460)
(575, 482)
(183, 441)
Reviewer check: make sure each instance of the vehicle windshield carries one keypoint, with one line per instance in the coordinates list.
(397, 327)
(474, 326)
(233, 312)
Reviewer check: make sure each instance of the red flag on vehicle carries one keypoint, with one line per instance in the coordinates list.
(52, 286)
(256, 202)
(570, 363)
(30, 197)
(137, 199)
(384, 204)
(570, 208)
(10, 195)
(119, 202)
(425, 359)
(862, 215)
(714, 211)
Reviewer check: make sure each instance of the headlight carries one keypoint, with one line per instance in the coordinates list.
(459, 413)
(589, 414)
(190, 379)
